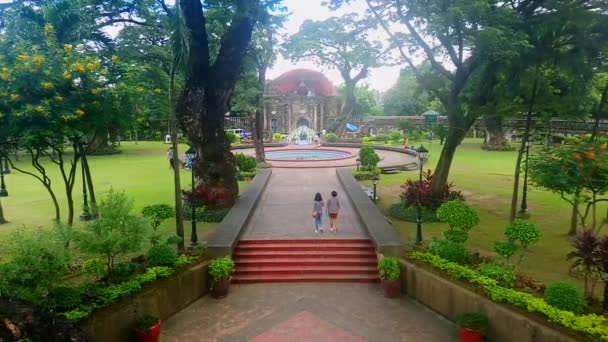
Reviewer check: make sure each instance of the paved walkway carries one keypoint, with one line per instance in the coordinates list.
(307, 312)
(285, 208)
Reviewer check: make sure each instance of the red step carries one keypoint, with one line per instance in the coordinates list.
(356, 246)
(318, 269)
(302, 254)
(331, 260)
(278, 262)
(305, 278)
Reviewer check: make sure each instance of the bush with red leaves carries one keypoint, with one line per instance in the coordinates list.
(202, 196)
(412, 188)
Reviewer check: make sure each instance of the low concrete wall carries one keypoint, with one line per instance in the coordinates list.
(451, 299)
(162, 298)
(405, 167)
(384, 236)
(246, 146)
(227, 234)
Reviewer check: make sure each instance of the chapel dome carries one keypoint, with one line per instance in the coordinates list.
(297, 81)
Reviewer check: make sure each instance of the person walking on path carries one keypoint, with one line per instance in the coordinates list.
(333, 207)
(317, 211)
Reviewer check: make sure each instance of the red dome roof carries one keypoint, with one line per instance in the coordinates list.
(289, 82)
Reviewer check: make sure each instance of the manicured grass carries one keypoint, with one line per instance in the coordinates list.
(486, 179)
(141, 170)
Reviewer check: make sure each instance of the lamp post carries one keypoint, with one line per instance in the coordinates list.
(3, 191)
(358, 163)
(422, 154)
(523, 212)
(375, 181)
(7, 168)
(86, 214)
(191, 153)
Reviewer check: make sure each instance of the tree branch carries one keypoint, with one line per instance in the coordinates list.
(166, 8)
(427, 49)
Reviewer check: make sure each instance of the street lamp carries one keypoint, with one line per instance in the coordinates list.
(523, 212)
(7, 168)
(191, 154)
(86, 214)
(3, 191)
(358, 163)
(422, 154)
(375, 181)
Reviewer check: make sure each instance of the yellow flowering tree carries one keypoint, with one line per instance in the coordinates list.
(53, 99)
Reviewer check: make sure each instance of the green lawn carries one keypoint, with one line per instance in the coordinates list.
(486, 179)
(142, 171)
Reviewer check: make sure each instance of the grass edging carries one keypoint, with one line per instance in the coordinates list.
(592, 326)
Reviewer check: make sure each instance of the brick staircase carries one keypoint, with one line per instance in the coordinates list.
(335, 260)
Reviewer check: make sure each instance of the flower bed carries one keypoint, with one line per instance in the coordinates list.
(592, 326)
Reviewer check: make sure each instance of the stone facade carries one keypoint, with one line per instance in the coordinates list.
(300, 97)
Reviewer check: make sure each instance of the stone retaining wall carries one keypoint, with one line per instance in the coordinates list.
(451, 300)
(162, 298)
(384, 236)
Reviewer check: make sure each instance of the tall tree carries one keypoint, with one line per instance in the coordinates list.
(406, 97)
(211, 76)
(341, 43)
(367, 100)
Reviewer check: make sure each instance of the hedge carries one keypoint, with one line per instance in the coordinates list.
(593, 326)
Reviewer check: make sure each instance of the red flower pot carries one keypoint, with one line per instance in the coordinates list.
(392, 288)
(150, 335)
(468, 335)
(220, 290)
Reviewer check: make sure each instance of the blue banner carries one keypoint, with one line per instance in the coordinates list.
(351, 127)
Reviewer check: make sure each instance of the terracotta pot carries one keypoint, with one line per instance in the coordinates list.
(392, 288)
(468, 335)
(150, 335)
(220, 289)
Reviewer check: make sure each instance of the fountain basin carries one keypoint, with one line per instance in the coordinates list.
(306, 155)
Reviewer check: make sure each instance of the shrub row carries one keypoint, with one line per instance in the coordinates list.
(243, 175)
(404, 213)
(102, 297)
(593, 326)
(366, 175)
(205, 215)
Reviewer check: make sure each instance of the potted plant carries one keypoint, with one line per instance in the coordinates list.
(473, 326)
(147, 329)
(389, 276)
(220, 270)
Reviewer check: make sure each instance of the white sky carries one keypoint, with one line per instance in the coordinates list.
(379, 78)
(301, 10)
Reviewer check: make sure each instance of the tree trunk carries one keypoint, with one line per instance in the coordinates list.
(442, 170)
(495, 130)
(598, 113)
(215, 165)
(574, 216)
(605, 304)
(91, 188)
(177, 186)
(258, 123)
(2, 219)
(522, 148)
(348, 109)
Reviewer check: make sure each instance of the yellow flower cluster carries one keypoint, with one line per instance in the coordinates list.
(139, 90)
(49, 29)
(5, 74)
(77, 67)
(39, 109)
(58, 98)
(96, 91)
(38, 60)
(68, 48)
(67, 118)
(14, 97)
(22, 57)
(79, 112)
(67, 75)
(114, 59)
(46, 85)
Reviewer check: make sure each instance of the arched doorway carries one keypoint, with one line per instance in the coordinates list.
(302, 122)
